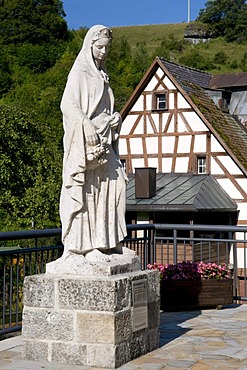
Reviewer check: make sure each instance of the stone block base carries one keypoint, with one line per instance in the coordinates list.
(90, 321)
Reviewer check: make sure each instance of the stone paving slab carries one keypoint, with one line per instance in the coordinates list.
(192, 340)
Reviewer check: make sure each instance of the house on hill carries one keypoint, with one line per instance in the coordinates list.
(185, 154)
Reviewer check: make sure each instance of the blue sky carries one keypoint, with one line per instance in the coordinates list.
(86, 13)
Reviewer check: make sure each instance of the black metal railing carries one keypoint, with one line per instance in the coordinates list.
(22, 253)
(208, 243)
(27, 253)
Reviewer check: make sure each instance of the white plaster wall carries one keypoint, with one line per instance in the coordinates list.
(171, 128)
(215, 169)
(242, 207)
(240, 255)
(138, 106)
(152, 145)
(181, 125)
(168, 144)
(166, 165)
(136, 146)
(153, 162)
(230, 165)
(155, 118)
(216, 146)
(169, 83)
(160, 72)
(139, 127)
(243, 184)
(160, 88)
(241, 236)
(122, 147)
(136, 163)
(171, 101)
(127, 124)
(200, 144)
(182, 103)
(228, 186)
(194, 121)
(149, 127)
(164, 121)
(149, 102)
(240, 258)
(184, 143)
(182, 165)
(151, 85)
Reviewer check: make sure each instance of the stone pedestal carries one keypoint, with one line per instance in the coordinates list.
(91, 320)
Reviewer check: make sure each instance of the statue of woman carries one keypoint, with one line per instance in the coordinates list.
(92, 204)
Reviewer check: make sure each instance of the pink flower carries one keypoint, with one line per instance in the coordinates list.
(188, 270)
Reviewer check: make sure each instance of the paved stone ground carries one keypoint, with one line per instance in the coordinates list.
(192, 340)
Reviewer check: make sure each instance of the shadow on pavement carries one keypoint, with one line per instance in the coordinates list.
(170, 323)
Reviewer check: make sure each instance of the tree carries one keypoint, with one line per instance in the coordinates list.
(226, 18)
(5, 73)
(121, 74)
(32, 21)
(141, 60)
(30, 177)
(194, 59)
(38, 58)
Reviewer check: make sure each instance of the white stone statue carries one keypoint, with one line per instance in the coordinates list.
(92, 204)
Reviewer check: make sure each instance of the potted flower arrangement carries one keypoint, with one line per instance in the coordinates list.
(188, 285)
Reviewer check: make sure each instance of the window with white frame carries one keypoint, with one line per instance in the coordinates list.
(160, 101)
(201, 165)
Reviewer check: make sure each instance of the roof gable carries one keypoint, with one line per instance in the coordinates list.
(192, 84)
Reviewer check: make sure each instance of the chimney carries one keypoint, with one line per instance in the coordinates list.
(145, 182)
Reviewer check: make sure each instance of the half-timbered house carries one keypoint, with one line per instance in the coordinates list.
(172, 124)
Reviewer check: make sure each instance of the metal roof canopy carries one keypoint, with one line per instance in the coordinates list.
(182, 192)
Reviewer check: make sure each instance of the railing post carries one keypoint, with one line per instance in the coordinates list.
(245, 284)
(175, 247)
(147, 248)
(235, 267)
(152, 245)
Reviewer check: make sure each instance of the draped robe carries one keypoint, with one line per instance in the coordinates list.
(92, 202)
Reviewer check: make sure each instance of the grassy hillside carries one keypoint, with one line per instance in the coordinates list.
(151, 35)
(221, 57)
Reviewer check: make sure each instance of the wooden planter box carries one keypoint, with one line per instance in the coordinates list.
(192, 294)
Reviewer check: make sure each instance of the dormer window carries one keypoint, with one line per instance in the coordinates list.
(160, 100)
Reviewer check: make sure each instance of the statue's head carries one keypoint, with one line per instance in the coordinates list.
(103, 33)
(97, 44)
(99, 38)
(95, 34)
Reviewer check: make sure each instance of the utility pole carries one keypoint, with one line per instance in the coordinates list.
(188, 11)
